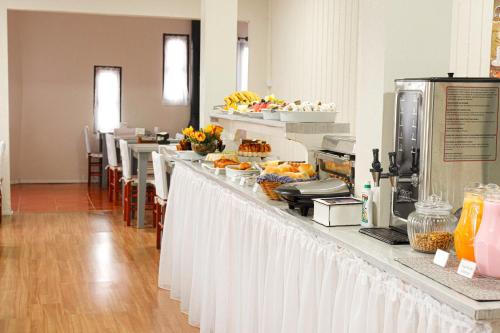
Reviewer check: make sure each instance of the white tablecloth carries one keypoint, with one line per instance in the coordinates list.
(241, 268)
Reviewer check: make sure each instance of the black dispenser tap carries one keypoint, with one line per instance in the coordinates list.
(376, 169)
(393, 169)
(393, 166)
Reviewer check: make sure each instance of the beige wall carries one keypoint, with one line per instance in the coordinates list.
(51, 85)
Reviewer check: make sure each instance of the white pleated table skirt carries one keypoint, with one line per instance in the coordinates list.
(241, 268)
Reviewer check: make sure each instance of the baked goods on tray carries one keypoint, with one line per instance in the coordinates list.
(183, 145)
(254, 148)
(244, 166)
(291, 170)
(217, 156)
(223, 162)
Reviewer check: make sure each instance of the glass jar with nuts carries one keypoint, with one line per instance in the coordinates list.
(431, 226)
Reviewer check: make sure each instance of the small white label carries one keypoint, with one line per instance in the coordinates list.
(441, 258)
(242, 181)
(255, 187)
(217, 171)
(466, 268)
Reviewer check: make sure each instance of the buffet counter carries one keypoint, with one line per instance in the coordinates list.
(239, 262)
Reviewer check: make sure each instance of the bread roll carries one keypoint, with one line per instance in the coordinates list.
(307, 169)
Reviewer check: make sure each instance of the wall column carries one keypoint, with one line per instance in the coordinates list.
(4, 109)
(219, 21)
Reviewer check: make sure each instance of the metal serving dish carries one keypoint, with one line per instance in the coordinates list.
(301, 194)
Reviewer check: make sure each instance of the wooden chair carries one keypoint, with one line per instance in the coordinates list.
(94, 159)
(130, 186)
(161, 197)
(2, 153)
(114, 170)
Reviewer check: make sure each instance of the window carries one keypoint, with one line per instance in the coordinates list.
(175, 69)
(107, 98)
(242, 64)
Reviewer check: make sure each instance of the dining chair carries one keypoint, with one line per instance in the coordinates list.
(94, 159)
(114, 170)
(2, 153)
(161, 184)
(130, 186)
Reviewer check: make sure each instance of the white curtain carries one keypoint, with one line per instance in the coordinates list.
(242, 65)
(239, 267)
(107, 98)
(175, 84)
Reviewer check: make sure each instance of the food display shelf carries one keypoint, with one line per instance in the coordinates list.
(310, 135)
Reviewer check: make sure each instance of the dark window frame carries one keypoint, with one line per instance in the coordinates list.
(188, 59)
(120, 70)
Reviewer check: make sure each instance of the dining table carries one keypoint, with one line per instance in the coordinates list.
(142, 152)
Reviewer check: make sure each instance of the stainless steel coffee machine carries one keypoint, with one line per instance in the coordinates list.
(446, 136)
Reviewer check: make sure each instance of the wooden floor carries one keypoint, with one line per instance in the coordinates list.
(80, 271)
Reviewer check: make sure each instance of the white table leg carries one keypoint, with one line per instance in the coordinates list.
(141, 187)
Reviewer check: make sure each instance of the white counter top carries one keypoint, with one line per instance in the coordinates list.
(284, 127)
(373, 251)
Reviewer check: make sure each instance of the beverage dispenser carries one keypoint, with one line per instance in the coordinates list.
(445, 137)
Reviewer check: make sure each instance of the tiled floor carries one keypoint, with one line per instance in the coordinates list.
(59, 198)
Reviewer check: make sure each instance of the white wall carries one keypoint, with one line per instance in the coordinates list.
(315, 52)
(471, 37)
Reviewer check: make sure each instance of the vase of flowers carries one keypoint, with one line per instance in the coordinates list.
(204, 141)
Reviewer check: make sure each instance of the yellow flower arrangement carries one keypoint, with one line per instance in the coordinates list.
(211, 133)
(200, 136)
(218, 130)
(209, 129)
(188, 131)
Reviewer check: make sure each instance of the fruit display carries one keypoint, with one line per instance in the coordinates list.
(317, 106)
(240, 98)
(254, 148)
(269, 102)
(248, 101)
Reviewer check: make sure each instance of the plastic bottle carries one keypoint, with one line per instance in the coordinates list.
(367, 206)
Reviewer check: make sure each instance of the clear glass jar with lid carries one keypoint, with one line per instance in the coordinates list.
(430, 226)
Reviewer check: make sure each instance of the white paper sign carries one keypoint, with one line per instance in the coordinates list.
(242, 181)
(466, 268)
(255, 187)
(441, 258)
(217, 171)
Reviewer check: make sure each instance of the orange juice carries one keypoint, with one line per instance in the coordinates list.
(468, 225)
